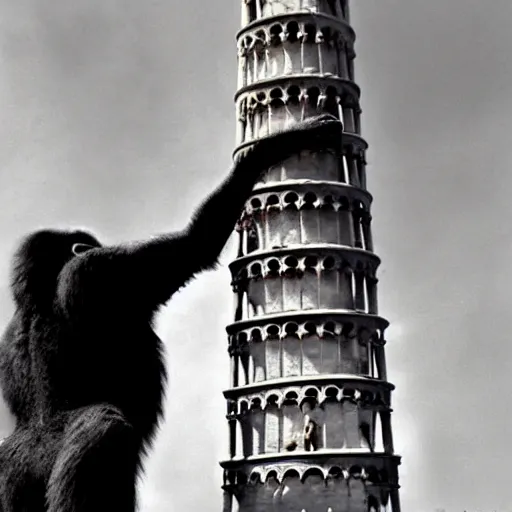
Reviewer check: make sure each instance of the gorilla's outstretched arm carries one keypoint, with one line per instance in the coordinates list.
(146, 274)
(214, 221)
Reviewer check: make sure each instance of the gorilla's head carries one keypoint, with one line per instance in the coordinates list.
(40, 258)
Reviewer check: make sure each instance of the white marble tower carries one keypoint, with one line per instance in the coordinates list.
(309, 407)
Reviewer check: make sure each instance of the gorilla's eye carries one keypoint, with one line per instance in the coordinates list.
(80, 248)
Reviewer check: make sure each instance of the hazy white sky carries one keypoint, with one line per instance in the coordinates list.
(118, 116)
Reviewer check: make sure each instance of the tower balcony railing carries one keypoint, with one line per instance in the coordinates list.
(299, 484)
(344, 415)
(308, 348)
(326, 167)
(315, 276)
(255, 10)
(298, 44)
(297, 215)
(276, 103)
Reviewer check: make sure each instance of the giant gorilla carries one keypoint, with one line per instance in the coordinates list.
(81, 368)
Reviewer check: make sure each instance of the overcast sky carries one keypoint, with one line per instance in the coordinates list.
(118, 116)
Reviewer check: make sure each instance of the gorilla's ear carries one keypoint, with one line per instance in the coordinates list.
(81, 248)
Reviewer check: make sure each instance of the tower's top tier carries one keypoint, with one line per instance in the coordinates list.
(253, 10)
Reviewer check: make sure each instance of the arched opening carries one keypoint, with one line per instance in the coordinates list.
(332, 7)
(275, 51)
(358, 236)
(345, 223)
(271, 486)
(273, 352)
(292, 31)
(291, 473)
(379, 434)
(311, 350)
(261, 128)
(348, 119)
(329, 52)
(328, 221)
(255, 270)
(331, 105)
(309, 219)
(333, 425)
(311, 102)
(310, 57)
(258, 356)
(258, 428)
(350, 419)
(277, 110)
(292, 57)
(252, 10)
(357, 120)
(272, 414)
(290, 200)
(343, 8)
(292, 353)
(367, 422)
(293, 105)
(313, 472)
(273, 267)
(246, 428)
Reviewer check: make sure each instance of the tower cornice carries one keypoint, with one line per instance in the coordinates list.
(301, 17)
(336, 381)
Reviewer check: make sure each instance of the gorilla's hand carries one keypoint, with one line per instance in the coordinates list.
(316, 133)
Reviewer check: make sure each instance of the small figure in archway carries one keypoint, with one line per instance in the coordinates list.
(310, 429)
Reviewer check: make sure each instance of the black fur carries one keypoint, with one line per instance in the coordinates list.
(80, 365)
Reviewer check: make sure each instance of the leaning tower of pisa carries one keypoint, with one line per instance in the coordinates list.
(309, 405)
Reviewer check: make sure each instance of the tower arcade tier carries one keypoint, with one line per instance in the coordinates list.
(309, 407)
